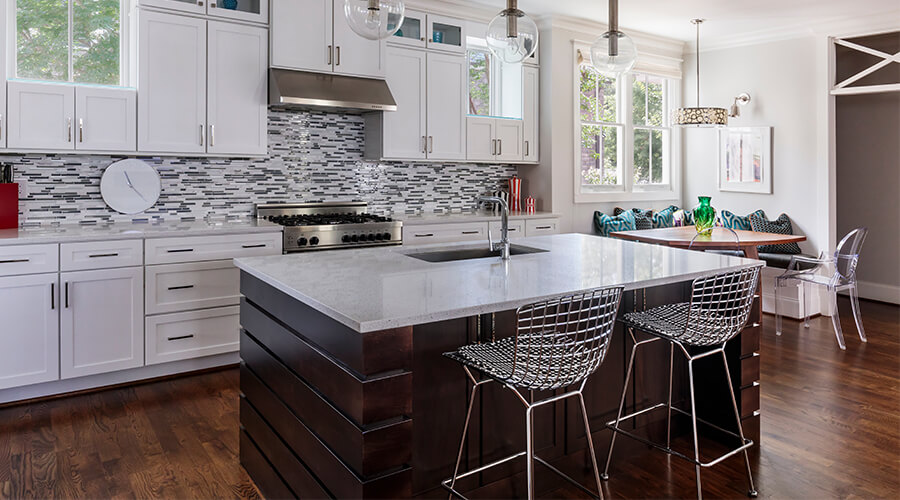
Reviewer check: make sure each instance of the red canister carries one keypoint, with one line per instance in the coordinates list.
(9, 206)
(515, 194)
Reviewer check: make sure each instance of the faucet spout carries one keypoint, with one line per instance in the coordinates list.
(503, 244)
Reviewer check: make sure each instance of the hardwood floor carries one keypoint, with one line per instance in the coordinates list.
(830, 429)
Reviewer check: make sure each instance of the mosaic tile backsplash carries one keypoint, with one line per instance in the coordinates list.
(312, 157)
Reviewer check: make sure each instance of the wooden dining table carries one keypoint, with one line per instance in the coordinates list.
(719, 239)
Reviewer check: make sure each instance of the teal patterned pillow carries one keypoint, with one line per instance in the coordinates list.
(683, 218)
(665, 217)
(606, 224)
(781, 225)
(643, 219)
(734, 221)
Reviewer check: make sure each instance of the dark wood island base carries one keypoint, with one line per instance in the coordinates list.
(327, 411)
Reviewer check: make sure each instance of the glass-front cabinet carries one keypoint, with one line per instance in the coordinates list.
(256, 11)
(412, 31)
(446, 33)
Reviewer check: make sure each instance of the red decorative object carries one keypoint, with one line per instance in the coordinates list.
(529, 205)
(9, 206)
(515, 194)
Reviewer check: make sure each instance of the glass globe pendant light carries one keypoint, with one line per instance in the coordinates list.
(700, 116)
(374, 19)
(613, 52)
(512, 36)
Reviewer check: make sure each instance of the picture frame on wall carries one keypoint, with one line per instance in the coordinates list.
(745, 159)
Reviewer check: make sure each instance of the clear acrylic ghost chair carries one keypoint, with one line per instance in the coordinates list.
(844, 262)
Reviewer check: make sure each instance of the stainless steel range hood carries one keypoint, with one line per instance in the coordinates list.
(301, 89)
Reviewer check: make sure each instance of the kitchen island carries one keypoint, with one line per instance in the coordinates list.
(345, 392)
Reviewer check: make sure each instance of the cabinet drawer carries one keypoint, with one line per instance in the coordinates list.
(100, 255)
(443, 233)
(29, 259)
(516, 229)
(537, 227)
(184, 287)
(186, 335)
(200, 248)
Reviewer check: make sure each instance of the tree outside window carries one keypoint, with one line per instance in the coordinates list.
(599, 128)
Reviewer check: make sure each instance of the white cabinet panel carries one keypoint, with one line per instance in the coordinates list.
(255, 11)
(353, 54)
(509, 140)
(183, 287)
(404, 129)
(443, 233)
(106, 119)
(516, 229)
(192, 334)
(301, 34)
(100, 255)
(237, 89)
(481, 144)
(446, 78)
(538, 227)
(29, 338)
(41, 115)
(192, 6)
(530, 112)
(171, 83)
(200, 248)
(101, 322)
(29, 259)
(3, 76)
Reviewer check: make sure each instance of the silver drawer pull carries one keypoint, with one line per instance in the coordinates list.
(181, 337)
(181, 287)
(543, 227)
(471, 232)
(14, 261)
(96, 255)
(426, 235)
(180, 250)
(261, 245)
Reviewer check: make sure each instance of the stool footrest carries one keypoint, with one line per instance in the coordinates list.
(747, 443)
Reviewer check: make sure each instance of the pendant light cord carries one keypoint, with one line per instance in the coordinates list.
(697, 23)
(613, 28)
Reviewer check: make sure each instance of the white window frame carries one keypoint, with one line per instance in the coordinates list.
(628, 190)
(125, 43)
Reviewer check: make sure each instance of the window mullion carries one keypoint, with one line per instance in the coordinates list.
(627, 106)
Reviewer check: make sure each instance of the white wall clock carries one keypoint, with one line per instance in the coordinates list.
(130, 186)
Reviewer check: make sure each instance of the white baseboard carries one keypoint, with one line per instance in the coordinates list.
(879, 292)
(114, 378)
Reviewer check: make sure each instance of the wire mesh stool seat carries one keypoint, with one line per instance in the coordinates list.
(558, 343)
(718, 310)
(845, 261)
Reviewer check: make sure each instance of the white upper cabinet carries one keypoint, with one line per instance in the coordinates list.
(482, 145)
(353, 54)
(192, 6)
(446, 91)
(29, 339)
(405, 129)
(446, 33)
(236, 108)
(301, 34)
(171, 83)
(106, 119)
(41, 115)
(509, 140)
(530, 112)
(413, 30)
(256, 11)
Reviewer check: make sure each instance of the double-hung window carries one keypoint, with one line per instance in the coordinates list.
(625, 149)
(78, 41)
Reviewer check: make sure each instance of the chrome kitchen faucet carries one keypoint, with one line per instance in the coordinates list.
(503, 244)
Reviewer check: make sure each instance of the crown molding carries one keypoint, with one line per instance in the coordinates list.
(584, 29)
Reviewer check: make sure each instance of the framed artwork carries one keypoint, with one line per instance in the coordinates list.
(745, 159)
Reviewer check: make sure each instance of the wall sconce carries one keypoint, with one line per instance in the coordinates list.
(739, 101)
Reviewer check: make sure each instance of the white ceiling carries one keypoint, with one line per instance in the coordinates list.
(726, 19)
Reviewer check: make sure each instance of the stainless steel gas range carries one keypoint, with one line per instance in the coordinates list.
(324, 226)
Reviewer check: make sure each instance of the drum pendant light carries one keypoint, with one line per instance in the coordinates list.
(700, 116)
(512, 36)
(374, 19)
(613, 52)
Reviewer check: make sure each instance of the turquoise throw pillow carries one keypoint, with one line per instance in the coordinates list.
(665, 217)
(643, 219)
(683, 218)
(606, 224)
(734, 221)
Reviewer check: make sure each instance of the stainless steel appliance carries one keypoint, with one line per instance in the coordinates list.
(323, 226)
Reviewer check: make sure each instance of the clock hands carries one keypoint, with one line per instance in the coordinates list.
(128, 181)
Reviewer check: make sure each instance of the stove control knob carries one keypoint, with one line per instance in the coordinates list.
(379, 236)
(314, 240)
(301, 242)
(345, 238)
(371, 237)
(355, 238)
(387, 236)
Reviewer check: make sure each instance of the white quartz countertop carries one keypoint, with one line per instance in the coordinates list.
(65, 233)
(474, 216)
(380, 288)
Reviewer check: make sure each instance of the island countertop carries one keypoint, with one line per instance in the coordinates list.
(379, 288)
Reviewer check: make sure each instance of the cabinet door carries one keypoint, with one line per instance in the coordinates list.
(530, 116)
(480, 142)
(301, 34)
(509, 140)
(446, 78)
(411, 32)
(171, 83)
(194, 6)
(446, 33)
(106, 119)
(404, 129)
(101, 323)
(255, 11)
(40, 115)
(353, 54)
(236, 106)
(29, 339)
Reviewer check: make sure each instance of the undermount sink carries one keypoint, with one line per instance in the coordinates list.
(470, 253)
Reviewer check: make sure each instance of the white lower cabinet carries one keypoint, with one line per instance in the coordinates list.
(516, 229)
(197, 285)
(444, 233)
(538, 227)
(101, 321)
(29, 338)
(192, 334)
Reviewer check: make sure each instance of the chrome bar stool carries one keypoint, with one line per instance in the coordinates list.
(718, 310)
(558, 343)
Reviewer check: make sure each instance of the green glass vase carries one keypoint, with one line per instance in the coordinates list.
(704, 216)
